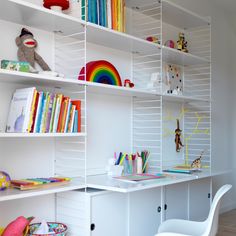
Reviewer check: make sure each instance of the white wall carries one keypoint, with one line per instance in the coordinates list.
(223, 95)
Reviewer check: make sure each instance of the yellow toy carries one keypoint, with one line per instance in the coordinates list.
(181, 43)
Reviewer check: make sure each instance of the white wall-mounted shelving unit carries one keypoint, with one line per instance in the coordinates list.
(113, 118)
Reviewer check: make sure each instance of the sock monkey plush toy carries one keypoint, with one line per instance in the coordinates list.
(26, 50)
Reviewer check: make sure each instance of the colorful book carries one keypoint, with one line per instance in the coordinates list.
(77, 104)
(102, 9)
(67, 101)
(71, 120)
(32, 108)
(109, 15)
(114, 14)
(49, 112)
(20, 110)
(44, 115)
(62, 114)
(35, 111)
(75, 125)
(83, 9)
(92, 11)
(67, 116)
(57, 112)
(53, 114)
(39, 113)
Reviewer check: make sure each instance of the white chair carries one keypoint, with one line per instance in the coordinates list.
(208, 227)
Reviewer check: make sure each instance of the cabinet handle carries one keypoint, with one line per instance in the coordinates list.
(209, 195)
(159, 209)
(92, 227)
(165, 207)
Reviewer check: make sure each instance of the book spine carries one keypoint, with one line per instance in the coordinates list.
(109, 15)
(35, 111)
(57, 113)
(39, 113)
(118, 15)
(46, 113)
(77, 103)
(53, 114)
(32, 108)
(71, 121)
(75, 126)
(49, 113)
(67, 117)
(83, 9)
(59, 126)
(28, 110)
(100, 20)
(43, 112)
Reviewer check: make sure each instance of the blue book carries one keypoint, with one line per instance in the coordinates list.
(92, 11)
(40, 113)
(75, 127)
(102, 9)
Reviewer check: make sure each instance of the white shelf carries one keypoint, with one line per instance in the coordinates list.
(173, 56)
(180, 17)
(110, 38)
(25, 13)
(182, 99)
(28, 79)
(117, 90)
(40, 135)
(12, 194)
(109, 183)
(8, 76)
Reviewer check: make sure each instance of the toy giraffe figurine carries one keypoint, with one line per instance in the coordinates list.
(178, 142)
(197, 164)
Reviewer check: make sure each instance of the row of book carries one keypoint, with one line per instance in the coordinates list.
(107, 13)
(43, 112)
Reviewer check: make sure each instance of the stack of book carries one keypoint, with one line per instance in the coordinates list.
(107, 13)
(43, 112)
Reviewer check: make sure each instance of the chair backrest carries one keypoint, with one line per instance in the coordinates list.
(213, 217)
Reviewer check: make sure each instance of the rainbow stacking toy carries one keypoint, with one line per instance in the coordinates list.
(101, 72)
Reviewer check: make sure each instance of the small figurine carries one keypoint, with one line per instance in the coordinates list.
(178, 142)
(181, 43)
(57, 5)
(26, 50)
(197, 164)
(152, 39)
(128, 84)
(170, 44)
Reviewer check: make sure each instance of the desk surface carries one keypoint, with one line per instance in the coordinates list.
(106, 182)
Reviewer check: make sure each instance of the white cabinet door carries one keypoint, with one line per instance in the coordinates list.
(199, 199)
(176, 200)
(144, 218)
(109, 214)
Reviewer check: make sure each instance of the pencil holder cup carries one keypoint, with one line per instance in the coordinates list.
(115, 170)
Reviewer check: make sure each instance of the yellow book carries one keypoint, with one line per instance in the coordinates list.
(124, 17)
(118, 15)
(32, 111)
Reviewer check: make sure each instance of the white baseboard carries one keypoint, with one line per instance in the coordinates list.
(228, 207)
